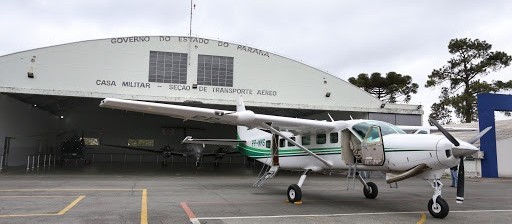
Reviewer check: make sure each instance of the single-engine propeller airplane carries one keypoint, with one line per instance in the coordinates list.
(315, 146)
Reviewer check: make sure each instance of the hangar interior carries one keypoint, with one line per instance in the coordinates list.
(52, 93)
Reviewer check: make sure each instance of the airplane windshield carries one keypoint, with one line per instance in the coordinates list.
(386, 128)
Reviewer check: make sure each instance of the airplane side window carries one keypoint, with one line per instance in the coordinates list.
(321, 138)
(281, 142)
(306, 140)
(267, 144)
(334, 137)
(289, 143)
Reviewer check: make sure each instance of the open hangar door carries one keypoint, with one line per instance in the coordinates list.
(108, 134)
(116, 137)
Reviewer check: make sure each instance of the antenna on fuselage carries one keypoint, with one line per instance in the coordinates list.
(330, 117)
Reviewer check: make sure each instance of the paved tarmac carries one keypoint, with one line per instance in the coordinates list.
(116, 194)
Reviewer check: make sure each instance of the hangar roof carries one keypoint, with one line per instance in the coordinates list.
(184, 70)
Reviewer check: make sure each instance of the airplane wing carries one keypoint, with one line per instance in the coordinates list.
(230, 142)
(428, 129)
(133, 148)
(242, 118)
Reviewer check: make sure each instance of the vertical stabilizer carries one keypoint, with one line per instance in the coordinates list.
(240, 104)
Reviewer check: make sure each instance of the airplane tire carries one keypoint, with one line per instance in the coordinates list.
(440, 209)
(294, 193)
(372, 190)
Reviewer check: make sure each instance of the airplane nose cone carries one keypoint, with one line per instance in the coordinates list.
(464, 149)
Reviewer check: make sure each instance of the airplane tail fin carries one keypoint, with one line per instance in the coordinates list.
(244, 133)
(240, 104)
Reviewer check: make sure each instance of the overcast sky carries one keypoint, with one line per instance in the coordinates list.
(344, 38)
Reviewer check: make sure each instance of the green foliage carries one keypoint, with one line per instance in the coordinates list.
(472, 59)
(392, 88)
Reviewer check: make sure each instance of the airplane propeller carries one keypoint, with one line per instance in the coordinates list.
(460, 182)
(445, 132)
(460, 174)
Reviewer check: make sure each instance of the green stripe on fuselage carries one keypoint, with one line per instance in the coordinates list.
(265, 152)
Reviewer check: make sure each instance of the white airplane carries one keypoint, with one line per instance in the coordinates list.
(315, 146)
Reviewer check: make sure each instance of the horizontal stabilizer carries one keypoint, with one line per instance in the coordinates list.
(229, 142)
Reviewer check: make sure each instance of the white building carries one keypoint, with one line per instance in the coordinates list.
(39, 86)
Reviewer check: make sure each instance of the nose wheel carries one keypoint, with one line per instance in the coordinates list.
(439, 209)
(437, 206)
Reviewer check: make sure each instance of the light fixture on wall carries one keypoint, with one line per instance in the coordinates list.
(382, 105)
(327, 94)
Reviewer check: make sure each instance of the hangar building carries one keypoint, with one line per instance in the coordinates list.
(50, 92)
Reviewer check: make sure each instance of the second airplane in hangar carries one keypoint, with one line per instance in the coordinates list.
(315, 146)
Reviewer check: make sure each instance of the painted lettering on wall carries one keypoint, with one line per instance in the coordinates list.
(120, 40)
(185, 87)
(105, 82)
(252, 50)
(195, 40)
(137, 84)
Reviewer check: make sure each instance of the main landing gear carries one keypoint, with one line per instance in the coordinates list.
(370, 189)
(294, 192)
(437, 206)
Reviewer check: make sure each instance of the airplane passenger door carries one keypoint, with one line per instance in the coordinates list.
(372, 147)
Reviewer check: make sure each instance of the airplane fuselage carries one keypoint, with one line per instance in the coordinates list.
(402, 152)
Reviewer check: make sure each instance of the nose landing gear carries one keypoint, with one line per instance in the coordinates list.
(437, 206)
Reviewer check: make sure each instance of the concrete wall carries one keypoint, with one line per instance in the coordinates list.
(504, 154)
(111, 67)
(32, 130)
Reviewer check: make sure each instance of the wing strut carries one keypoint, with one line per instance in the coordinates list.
(274, 131)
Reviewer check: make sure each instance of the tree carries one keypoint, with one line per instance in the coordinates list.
(440, 111)
(472, 59)
(392, 88)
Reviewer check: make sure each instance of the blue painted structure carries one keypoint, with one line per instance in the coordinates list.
(487, 104)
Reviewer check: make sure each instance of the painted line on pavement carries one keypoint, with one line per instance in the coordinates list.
(61, 212)
(144, 207)
(193, 218)
(343, 214)
(71, 205)
(422, 219)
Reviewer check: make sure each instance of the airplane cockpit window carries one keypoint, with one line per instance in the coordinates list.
(386, 128)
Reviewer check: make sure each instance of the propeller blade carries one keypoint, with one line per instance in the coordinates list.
(477, 137)
(460, 182)
(445, 133)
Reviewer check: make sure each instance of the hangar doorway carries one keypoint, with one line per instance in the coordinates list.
(109, 136)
